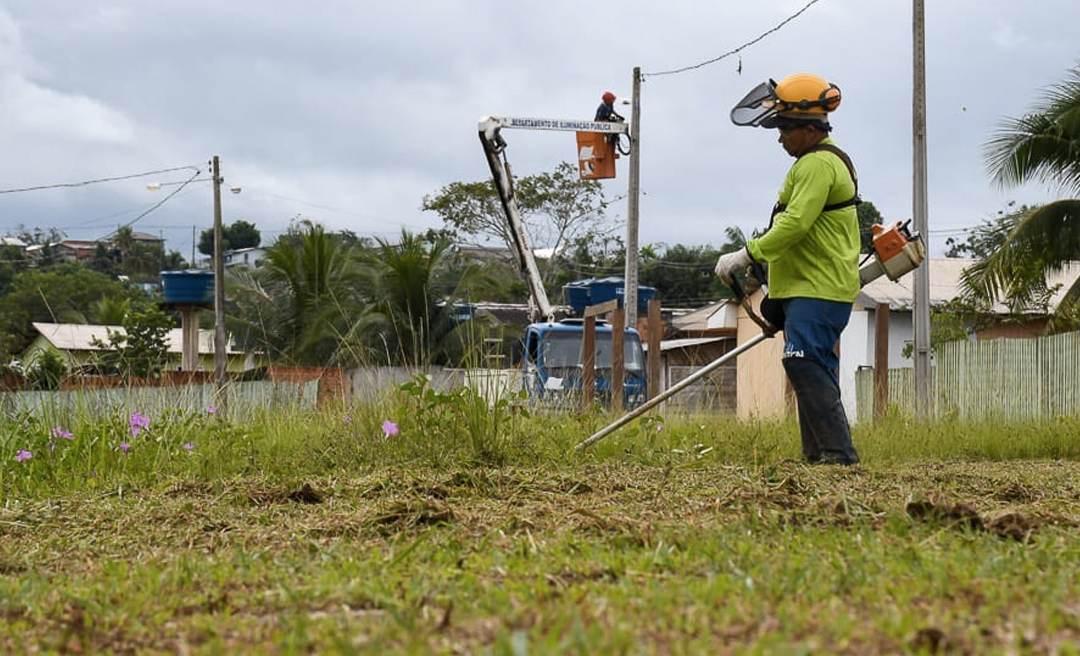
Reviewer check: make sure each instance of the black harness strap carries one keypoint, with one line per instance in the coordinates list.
(854, 200)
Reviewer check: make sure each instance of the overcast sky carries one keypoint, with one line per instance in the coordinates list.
(348, 112)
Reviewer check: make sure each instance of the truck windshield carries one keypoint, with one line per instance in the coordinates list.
(564, 350)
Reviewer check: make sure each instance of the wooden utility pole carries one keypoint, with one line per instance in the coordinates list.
(618, 357)
(881, 361)
(219, 288)
(656, 335)
(630, 280)
(588, 363)
(588, 349)
(920, 211)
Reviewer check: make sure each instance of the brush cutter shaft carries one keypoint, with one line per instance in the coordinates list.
(673, 390)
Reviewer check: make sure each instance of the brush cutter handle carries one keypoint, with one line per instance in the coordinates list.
(671, 391)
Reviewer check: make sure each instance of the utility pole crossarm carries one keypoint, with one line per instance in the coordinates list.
(492, 124)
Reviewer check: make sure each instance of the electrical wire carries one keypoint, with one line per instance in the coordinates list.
(161, 202)
(740, 48)
(63, 185)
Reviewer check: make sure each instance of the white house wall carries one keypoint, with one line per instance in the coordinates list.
(854, 353)
(858, 344)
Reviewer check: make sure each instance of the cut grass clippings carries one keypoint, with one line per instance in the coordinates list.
(591, 559)
(435, 524)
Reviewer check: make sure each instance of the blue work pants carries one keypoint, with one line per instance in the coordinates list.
(812, 328)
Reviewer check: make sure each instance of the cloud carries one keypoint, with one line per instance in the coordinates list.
(50, 114)
(350, 112)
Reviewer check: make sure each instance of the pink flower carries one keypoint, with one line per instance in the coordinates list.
(125, 447)
(389, 428)
(189, 446)
(22, 455)
(61, 432)
(138, 423)
(211, 409)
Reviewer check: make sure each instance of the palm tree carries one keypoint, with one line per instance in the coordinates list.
(300, 305)
(414, 296)
(1043, 145)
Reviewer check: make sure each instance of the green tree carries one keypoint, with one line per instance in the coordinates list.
(300, 306)
(46, 372)
(142, 349)
(592, 255)
(46, 254)
(415, 298)
(1043, 145)
(64, 293)
(986, 238)
(683, 275)
(141, 261)
(236, 235)
(104, 260)
(869, 216)
(557, 208)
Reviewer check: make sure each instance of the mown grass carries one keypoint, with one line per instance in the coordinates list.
(479, 530)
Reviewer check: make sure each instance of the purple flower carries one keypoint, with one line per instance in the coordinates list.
(389, 428)
(189, 446)
(125, 447)
(211, 409)
(138, 423)
(60, 431)
(22, 455)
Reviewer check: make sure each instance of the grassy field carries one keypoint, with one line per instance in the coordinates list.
(434, 524)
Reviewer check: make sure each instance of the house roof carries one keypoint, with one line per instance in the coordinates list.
(80, 337)
(140, 236)
(687, 342)
(945, 285)
(719, 315)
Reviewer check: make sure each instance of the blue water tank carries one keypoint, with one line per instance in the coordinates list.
(582, 293)
(190, 286)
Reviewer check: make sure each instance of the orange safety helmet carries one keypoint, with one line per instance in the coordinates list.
(803, 93)
(799, 98)
(608, 97)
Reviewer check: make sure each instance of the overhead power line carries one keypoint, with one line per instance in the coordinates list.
(172, 193)
(740, 48)
(84, 183)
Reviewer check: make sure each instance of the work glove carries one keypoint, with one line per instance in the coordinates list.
(731, 263)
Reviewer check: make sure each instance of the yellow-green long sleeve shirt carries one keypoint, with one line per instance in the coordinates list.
(812, 253)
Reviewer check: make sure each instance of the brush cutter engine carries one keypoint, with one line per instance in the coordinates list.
(896, 251)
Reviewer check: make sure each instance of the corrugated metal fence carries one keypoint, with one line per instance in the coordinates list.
(244, 399)
(1008, 380)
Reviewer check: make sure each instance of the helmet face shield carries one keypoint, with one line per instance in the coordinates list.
(757, 106)
(797, 98)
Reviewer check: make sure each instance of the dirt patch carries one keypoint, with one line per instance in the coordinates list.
(1012, 525)
(413, 512)
(306, 494)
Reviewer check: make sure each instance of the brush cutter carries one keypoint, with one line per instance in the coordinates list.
(896, 251)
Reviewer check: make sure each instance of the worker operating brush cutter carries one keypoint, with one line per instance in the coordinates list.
(812, 251)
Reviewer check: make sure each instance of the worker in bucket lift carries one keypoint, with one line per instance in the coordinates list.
(606, 110)
(812, 249)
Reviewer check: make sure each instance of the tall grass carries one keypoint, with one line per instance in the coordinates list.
(417, 427)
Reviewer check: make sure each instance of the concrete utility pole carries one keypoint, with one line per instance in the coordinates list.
(630, 280)
(219, 287)
(920, 210)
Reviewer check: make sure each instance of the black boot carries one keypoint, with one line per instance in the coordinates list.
(826, 436)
